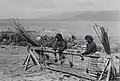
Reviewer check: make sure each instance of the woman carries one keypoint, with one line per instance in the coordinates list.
(59, 44)
(91, 48)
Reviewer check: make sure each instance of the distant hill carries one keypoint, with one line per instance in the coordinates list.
(96, 16)
(110, 15)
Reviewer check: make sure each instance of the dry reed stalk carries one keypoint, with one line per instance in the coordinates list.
(23, 32)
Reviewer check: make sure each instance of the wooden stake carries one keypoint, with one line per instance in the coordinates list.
(35, 59)
(119, 63)
(109, 71)
(108, 61)
(27, 61)
(119, 66)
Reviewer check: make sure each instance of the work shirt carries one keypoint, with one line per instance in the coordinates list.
(60, 45)
(91, 48)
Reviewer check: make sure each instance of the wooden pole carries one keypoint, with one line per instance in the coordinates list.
(119, 63)
(27, 62)
(119, 66)
(32, 57)
(109, 71)
(31, 53)
(108, 61)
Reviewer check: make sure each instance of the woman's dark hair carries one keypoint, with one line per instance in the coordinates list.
(59, 36)
(89, 37)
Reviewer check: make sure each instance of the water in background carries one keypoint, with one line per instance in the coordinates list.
(79, 28)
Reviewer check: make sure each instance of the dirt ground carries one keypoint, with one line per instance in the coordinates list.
(12, 68)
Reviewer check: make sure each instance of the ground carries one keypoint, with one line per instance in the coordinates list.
(12, 68)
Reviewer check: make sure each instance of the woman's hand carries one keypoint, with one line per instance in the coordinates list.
(83, 54)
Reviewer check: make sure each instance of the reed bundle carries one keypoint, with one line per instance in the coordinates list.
(103, 37)
(23, 32)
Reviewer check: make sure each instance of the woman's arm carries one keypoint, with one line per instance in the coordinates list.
(55, 45)
(62, 48)
(90, 49)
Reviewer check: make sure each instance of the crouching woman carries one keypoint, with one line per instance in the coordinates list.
(59, 44)
(91, 49)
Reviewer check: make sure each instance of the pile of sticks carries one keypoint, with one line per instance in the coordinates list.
(104, 39)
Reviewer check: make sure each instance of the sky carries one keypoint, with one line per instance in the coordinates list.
(44, 8)
(40, 9)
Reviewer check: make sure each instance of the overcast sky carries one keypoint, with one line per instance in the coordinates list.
(44, 8)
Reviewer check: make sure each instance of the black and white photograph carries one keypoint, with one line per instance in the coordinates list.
(59, 40)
